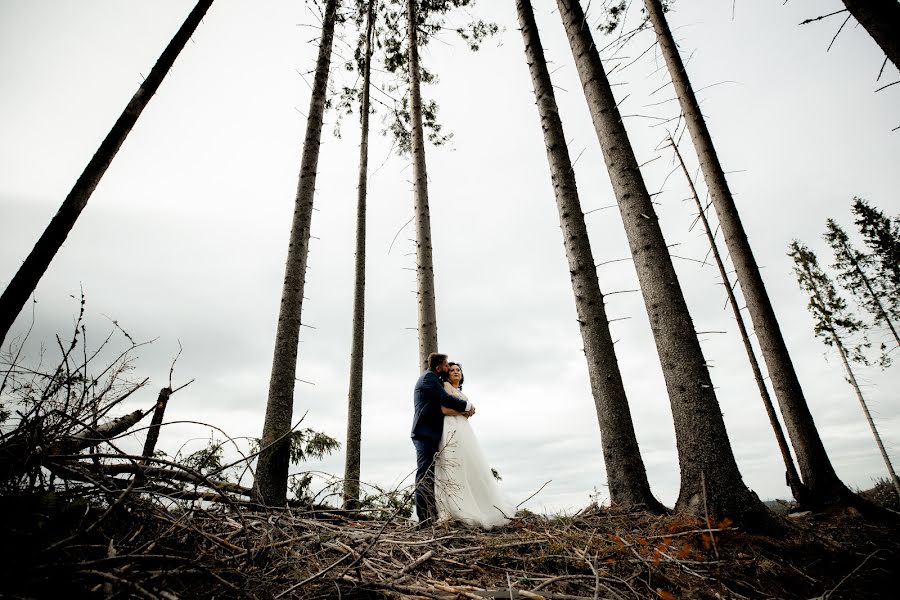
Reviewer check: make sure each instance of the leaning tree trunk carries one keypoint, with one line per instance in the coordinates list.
(35, 265)
(354, 409)
(627, 477)
(710, 480)
(851, 378)
(792, 478)
(818, 475)
(881, 18)
(270, 484)
(427, 314)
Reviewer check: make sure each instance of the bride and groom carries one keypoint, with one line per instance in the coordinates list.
(453, 479)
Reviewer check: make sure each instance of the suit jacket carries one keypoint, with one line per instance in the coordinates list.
(428, 397)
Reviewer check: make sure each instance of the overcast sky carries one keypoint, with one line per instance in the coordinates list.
(185, 237)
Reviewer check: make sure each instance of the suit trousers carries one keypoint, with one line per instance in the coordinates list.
(426, 508)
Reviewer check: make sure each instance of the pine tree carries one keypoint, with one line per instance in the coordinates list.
(710, 480)
(354, 400)
(626, 475)
(836, 325)
(855, 274)
(270, 484)
(424, 19)
(818, 474)
(882, 236)
(791, 476)
(427, 312)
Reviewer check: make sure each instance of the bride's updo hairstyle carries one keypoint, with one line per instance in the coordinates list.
(462, 376)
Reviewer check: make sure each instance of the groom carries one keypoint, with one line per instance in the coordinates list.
(427, 428)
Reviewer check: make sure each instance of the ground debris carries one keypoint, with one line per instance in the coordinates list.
(141, 547)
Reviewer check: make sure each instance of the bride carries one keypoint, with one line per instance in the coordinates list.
(466, 490)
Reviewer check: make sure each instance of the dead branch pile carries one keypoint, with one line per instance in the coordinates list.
(81, 518)
(143, 545)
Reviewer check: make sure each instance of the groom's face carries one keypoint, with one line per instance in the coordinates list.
(444, 367)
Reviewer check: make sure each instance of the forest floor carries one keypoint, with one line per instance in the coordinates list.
(137, 547)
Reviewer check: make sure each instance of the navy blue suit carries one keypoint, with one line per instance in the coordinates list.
(427, 428)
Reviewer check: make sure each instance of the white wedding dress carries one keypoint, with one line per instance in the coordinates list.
(465, 488)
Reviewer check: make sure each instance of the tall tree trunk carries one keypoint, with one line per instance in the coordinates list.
(851, 378)
(354, 409)
(29, 274)
(627, 477)
(427, 314)
(270, 484)
(704, 451)
(881, 18)
(791, 476)
(818, 474)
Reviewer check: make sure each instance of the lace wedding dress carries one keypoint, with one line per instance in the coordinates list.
(465, 488)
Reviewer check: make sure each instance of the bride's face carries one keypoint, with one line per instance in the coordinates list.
(455, 375)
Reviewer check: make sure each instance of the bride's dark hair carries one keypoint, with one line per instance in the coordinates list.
(462, 376)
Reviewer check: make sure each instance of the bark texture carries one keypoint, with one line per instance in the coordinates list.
(819, 477)
(792, 478)
(354, 400)
(881, 18)
(710, 480)
(26, 279)
(627, 477)
(427, 313)
(159, 412)
(270, 485)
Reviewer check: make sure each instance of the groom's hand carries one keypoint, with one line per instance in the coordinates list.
(469, 413)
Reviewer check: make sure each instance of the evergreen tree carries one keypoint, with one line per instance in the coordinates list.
(270, 484)
(791, 476)
(710, 480)
(354, 397)
(882, 235)
(855, 274)
(836, 326)
(423, 21)
(820, 480)
(626, 475)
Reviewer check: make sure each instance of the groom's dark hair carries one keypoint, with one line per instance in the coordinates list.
(436, 359)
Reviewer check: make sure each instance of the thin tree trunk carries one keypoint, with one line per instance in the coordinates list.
(852, 379)
(881, 18)
(35, 265)
(354, 410)
(427, 314)
(818, 474)
(791, 476)
(704, 451)
(270, 484)
(627, 477)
